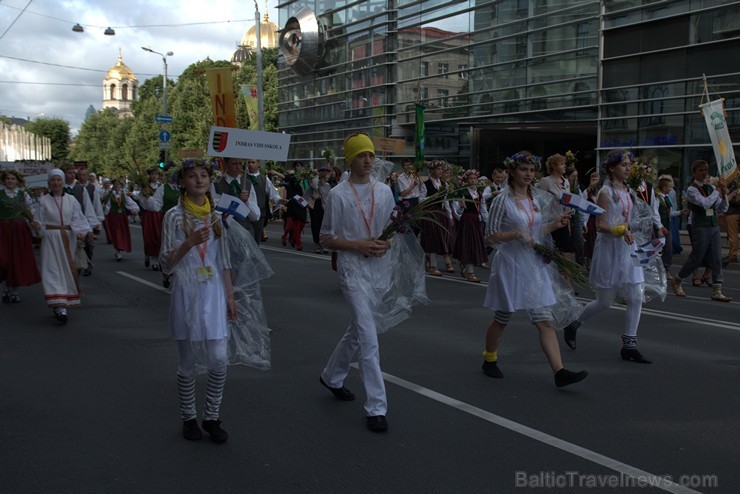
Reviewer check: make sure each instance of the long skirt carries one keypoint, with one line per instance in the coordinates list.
(17, 262)
(435, 235)
(59, 275)
(151, 230)
(119, 230)
(590, 238)
(469, 248)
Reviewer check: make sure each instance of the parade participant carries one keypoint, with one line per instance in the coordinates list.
(519, 218)
(265, 193)
(732, 219)
(194, 247)
(590, 194)
(105, 189)
(434, 235)
(578, 223)
(233, 183)
(705, 203)
(118, 205)
(151, 219)
(17, 262)
(667, 212)
(356, 213)
(60, 222)
(295, 211)
(318, 191)
(612, 272)
(472, 217)
(83, 183)
(409, 185)
(556, 184)
(72, 187)
(498, 181)
(450, 222)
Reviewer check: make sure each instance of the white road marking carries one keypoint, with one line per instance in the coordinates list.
(144, 282)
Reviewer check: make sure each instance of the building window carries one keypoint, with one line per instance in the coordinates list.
(582, 30)
(444, 97)
(424, 69)
(463, 74)
(112, 91)
(425, 93)
(443, 69)
(124, 92)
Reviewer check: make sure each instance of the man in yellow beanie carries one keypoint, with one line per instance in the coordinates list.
(356, 213)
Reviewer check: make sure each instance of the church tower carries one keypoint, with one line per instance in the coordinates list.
(120, 88)
(269, 36)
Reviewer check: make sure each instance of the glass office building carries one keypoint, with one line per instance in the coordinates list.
(497, 76)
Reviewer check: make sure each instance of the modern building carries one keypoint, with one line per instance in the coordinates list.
(120, 88)
(497, 76)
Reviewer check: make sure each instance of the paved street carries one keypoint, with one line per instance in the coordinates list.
(91, 407)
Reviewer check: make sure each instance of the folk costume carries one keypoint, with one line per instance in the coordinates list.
(17, 261)
(151, 225)
(435, 237)
(118, 205)
(265, 193)
(295, 213)
(472, 216)
(557, 187)
(61, 221)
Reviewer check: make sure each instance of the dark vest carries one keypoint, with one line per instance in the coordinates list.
(700, 217)
(261, 194)
(77, 191)
(170, 198)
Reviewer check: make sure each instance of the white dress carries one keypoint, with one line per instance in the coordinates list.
(611, 265)
(61, 221)
(519, 278)
(197, 307)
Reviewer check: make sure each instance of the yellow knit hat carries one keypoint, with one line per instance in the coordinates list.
(356, 144)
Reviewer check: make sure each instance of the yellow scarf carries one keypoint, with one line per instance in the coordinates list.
(198, 212)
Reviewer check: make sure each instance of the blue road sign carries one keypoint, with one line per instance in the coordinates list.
(163, 118)
(164, 136)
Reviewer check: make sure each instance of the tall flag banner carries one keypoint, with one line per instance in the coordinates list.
(419, 133)
(250, 98)
(222, 96)
(719, 134)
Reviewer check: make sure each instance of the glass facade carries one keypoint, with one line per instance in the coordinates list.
(497, 76)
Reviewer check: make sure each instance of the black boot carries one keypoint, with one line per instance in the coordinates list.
(491, 370)
(564, 377)
(632, 354)
(569, 334)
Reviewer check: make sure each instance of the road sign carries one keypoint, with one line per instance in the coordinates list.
(163, 118)
(164, 145)
(164, 136)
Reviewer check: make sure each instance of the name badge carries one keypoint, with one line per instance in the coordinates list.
(709, 212)
(203, 273)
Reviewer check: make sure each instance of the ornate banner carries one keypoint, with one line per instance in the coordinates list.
(719, 134)
(222, 96)
(250, 98)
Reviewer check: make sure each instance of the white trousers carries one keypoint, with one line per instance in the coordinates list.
(604, 299)
(360, 339)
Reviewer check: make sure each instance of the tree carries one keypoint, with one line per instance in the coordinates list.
(57, 130)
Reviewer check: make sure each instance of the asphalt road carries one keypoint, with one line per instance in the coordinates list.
(91, 407)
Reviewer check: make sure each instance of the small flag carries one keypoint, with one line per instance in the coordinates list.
(642, 254)
(232, 205)
(579, 203)
(300, 200)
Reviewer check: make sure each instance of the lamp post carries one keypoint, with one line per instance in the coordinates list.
(164, 82)
(258, 50)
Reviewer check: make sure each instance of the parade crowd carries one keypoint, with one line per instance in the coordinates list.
(386, 231)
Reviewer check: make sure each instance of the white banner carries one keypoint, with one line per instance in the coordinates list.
(714, 115)
(228, 142)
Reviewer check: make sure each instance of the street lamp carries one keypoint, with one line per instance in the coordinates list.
(164, 82)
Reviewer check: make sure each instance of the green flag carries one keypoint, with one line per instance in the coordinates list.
(419, 132)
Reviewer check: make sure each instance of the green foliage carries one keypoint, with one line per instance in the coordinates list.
(57, 130)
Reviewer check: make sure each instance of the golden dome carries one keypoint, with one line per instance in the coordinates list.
(268, 35)
(120, 71)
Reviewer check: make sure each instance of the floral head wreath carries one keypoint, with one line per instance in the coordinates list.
(434, 164)
(470, 172)
(615, 157)
(522, 157)
(189, 164)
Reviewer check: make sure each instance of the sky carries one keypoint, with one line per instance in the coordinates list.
(67, 68)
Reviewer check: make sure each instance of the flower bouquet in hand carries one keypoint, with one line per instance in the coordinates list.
(405, 218)
(644, 169)
(567, 268)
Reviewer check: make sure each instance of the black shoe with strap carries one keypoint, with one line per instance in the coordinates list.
(341, 394)
(213, 428)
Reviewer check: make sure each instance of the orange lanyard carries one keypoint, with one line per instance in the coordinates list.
(529, 213)
(626, 207)
(362, 210)
(644, 194)
(203, 248)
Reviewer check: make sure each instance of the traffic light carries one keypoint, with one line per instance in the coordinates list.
(162, 159)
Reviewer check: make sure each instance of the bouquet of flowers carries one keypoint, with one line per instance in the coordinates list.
(329, 156)
(645, 169)
(569, 269)
(570, 157)
(405, 218)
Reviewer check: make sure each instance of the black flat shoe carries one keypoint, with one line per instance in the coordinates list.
(213, 428)
(341, 394)
(633, 355)
(377, 423)
(491, 370)
(564, 377)
(569, 334)
(191, 431)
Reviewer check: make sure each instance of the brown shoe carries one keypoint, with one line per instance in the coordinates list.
(676, 285)
(435, 272)
(472, 278)
(718, 295)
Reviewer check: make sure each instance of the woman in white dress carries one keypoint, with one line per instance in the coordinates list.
(612, 271)
(194, 248)
(60, 222)
(520, 279)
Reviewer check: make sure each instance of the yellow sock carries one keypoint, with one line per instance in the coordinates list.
(490, 356)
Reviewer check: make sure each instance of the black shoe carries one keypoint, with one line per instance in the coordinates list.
(6, 298)
(564, 377)
(491, 370)
(155, 267)
(634, 355)
(146, 261)
(569, 334)
(377, 423)
(166, 282)
(191, 431)
(88, 270)
(341, 394)
(213, 428)
(14, 298)
(61, 317)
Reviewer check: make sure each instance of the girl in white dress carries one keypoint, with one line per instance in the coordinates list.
(194, 248)
(612, 271)
(520, 279)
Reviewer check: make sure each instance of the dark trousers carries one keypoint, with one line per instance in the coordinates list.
(705, 246)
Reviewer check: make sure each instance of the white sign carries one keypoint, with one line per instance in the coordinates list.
(227, 142)
(719, 134)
